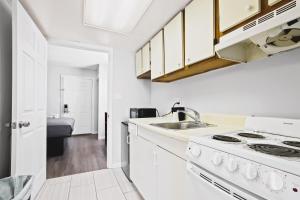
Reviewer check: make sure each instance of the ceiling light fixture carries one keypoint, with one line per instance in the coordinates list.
(119, 16)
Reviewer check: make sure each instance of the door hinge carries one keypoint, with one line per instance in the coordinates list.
(12, 125)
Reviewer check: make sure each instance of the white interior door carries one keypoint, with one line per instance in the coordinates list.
(77, 93)
(29, 98)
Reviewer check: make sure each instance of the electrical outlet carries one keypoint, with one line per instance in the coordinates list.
(177, 99)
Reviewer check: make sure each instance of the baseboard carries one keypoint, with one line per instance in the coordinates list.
(115, 165)
(102, 137)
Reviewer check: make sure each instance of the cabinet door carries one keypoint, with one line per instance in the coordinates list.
(157, 56)
(173, 36)
(142, 169)
(170, 176)
(146, 58)
(272, 2)
(138, 63)
(233, 12)
(199, 31)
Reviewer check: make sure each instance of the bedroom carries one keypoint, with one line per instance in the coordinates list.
(75, 111)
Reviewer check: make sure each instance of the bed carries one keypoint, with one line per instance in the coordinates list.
(57, 130)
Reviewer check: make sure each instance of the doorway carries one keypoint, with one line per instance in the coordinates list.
(77, 91)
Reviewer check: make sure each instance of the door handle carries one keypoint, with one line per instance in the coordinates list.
(24, 124)
(128, 139)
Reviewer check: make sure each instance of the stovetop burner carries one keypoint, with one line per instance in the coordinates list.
(251, 135)
(275, 150)
(292, 143)
(225, 138)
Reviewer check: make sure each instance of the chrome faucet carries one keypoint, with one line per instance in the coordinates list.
(196, 118)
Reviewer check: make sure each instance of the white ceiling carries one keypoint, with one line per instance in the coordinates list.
(63, 20)
(70, 57)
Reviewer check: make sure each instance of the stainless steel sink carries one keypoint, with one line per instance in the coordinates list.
(182, 125)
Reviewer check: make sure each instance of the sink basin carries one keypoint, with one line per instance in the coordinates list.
(182, 125)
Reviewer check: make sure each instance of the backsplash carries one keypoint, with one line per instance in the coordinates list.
(268, 87)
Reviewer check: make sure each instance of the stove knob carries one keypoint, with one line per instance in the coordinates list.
(275, 182)
(232, 165)
(217, 159)
(195, 151)
(251, 172)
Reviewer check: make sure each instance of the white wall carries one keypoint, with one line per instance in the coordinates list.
(127, 92)
(102, 98)
(269, 87)
(5, 87)
(54, 74)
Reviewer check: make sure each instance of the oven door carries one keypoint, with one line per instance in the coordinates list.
(204, 185)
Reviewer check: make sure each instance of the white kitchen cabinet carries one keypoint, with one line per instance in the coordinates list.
(142, 166)
(157, 56)
(233, 12)
(157, 173)
(146, 58)
(272, 2)
(170, 176)
(138, 63)
(173, 37)
(199, 31)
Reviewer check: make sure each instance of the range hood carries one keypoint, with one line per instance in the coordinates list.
(275, 32)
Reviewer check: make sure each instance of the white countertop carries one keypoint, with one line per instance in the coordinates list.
(183, 135)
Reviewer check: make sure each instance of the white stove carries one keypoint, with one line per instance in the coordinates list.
(260, 162)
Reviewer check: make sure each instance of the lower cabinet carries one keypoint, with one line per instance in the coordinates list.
(142, 166)
(157, 173)
(170, 173)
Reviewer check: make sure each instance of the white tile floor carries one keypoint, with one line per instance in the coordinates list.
(107, 184)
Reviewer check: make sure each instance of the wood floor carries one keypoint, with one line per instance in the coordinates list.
(83, 153)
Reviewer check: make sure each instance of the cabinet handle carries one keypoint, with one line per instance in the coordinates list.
(128, 139)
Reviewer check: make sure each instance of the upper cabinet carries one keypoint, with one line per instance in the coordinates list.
(143, 62)
(138, 63)
(146, 58)
(173, 37)
(199, 31)
(157, 56)
(234, 12)
(272, 2)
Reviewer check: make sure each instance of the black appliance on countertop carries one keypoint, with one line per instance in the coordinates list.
(142, 112)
